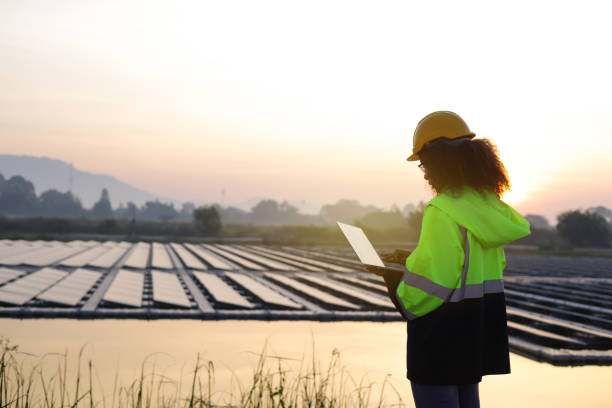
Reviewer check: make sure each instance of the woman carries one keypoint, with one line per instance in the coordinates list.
(451, 292)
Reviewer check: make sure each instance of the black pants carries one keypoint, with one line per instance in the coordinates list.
(445, 396)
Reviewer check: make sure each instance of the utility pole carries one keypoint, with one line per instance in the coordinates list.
(223, 197)
(70, 180)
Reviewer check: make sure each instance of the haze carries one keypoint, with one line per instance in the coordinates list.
(314, 101)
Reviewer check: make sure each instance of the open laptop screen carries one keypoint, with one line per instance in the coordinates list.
(361, 245)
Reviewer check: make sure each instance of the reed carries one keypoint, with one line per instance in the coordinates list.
(27, 382)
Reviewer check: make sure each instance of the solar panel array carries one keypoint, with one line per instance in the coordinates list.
(189, 259)
(263, 292)
(22, 290)
(111, 257)
(552, 303)
(83, 258)
(72, 289)
(222, 292)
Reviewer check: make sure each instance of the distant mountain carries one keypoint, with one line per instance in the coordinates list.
(46, 173)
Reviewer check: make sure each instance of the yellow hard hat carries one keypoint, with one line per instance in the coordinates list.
(437, 125)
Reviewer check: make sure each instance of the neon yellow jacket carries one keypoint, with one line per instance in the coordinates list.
(435, 268)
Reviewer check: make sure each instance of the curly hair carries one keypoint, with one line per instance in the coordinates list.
(454, 164)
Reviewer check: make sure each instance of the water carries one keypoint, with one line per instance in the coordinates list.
(372, 349)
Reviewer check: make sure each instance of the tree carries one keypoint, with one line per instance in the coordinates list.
(265, 212)
(383, 219)
(18, 197)
(126, 212)
(158, 211)
(56, 204)
(584, 229)
(345, 210)
(207, 220)
(103, 209)
(232, 215)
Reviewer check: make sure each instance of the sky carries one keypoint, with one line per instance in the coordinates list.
(309, 101)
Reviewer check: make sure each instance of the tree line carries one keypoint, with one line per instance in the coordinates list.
(18, 199)
(588, 228)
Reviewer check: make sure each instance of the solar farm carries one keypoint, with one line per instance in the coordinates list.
(559, 309)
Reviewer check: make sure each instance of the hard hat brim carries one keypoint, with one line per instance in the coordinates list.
(415, 156)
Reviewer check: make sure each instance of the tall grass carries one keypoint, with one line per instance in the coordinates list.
(30, 381)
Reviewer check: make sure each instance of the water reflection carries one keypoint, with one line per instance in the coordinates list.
(375, 349)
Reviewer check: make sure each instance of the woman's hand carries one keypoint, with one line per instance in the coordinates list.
(388, 256)
(398, 256)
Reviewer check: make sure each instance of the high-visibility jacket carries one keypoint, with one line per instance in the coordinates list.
(452, 291)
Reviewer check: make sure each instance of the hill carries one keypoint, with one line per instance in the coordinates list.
(46, 173)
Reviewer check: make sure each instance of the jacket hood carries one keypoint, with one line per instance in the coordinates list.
(490, 220)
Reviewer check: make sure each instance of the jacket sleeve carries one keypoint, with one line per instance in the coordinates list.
(433, 270)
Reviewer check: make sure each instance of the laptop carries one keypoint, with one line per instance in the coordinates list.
(366, 252)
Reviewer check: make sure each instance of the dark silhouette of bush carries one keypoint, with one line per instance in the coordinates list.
(584, 229)
(207, 220)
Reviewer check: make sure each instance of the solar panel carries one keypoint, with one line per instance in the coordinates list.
(7, 274)
(325, 254)
(214, 260)
(139, 256)
(324, 265)
(189, 259)
(263, 292)
(264, 252)
(276, 266)
(109, 258)
(23, 257)
(160, 259)
(126, 289)
(167, 289)
(84, 257)
(53, 255)
(311, 292)
(71, 290)
(18, 247)
(311, 255)
(221, 291)
(235, 258)
(354, 293)
(24, 289)
(360, 282)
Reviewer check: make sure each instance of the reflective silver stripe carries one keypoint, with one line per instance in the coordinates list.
(426, 285)
(493, 286)
(477, 290)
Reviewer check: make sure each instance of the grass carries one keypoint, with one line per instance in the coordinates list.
(29, 381)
